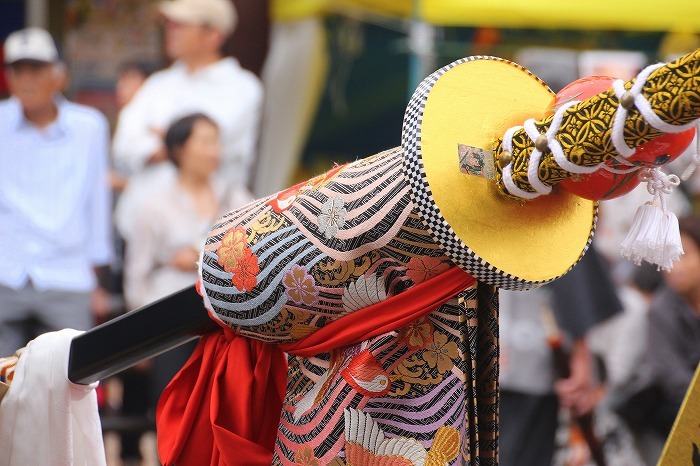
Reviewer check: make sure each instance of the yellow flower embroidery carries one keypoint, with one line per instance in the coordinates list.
(305, 457)
(441, 353)
(445, 447)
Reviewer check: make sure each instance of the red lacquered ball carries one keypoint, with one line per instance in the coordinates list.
(601, 185)
(663, 149)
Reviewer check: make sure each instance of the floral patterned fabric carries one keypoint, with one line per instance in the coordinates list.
(282, 267)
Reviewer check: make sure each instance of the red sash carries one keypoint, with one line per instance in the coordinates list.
(223, 407)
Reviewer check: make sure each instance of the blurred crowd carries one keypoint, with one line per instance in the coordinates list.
(98, 222)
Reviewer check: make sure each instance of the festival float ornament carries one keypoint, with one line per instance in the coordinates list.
(582, 136)
(347, 260)
(514, 245)
(654, 233)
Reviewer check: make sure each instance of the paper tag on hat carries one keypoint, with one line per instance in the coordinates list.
(476, 161)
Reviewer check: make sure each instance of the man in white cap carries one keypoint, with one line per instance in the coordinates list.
(200, 80)
(54, 200)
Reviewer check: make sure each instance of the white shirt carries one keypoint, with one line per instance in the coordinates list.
(229, 94)
(54, 199)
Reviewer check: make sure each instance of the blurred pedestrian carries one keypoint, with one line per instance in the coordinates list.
(54, 198)
(170, 228)
(130, 78)
(623, 353)
(674, 328)
(650, 396)
(199, 80)
(532, 390)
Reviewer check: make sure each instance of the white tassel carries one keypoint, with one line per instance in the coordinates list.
(646, 222)
(654, 235)
(673, 249)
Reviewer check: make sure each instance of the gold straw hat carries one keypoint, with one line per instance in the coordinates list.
(511, 225)
(473, 101)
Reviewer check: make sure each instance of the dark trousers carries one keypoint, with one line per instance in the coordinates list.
(527, 429)
(27, 313)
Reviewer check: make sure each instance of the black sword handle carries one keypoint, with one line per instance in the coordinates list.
(135, 336)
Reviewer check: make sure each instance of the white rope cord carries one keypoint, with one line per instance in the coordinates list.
(620, 159)
(654, 234)
(556, 148)
(507, 174)
(508, 138)
(659, 184)
(618, 128)
(653, 119)
(644, 108)
(511, 186)
(620, 171)
(617, 137)
(533, 164)
(536, 155)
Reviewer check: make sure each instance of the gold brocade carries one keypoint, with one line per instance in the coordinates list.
(586, 130)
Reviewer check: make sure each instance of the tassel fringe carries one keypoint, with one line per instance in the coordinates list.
(654, 235)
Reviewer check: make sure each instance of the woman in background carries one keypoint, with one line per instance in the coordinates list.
(169, 230)
(170, 227)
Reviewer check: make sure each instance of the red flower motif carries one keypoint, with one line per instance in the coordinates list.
(245, 271)
(232, 249)
(424, 268)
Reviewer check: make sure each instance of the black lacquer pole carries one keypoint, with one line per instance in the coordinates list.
(133, 337)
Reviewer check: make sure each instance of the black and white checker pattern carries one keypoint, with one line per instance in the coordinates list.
(441, 231)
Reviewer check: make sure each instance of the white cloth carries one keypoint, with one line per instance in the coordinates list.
(44, 418)
(55, 204)
(163, 224)
(229, 94)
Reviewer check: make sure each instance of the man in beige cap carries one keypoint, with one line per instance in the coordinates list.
(214, 13)
(200, 80)
(54, 200)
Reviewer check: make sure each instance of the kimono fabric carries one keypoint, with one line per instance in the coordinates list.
(392, 348)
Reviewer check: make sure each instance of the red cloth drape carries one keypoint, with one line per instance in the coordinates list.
(224, 405)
